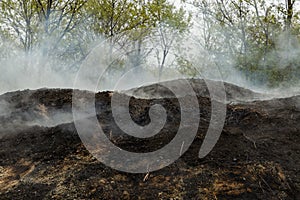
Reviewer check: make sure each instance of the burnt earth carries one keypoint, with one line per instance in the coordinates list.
(256, 157)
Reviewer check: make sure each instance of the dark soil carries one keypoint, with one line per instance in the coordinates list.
(256, 157)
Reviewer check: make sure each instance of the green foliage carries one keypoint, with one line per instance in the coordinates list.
(68, 29)
(260, 36)
(185, 67)
(254, 34)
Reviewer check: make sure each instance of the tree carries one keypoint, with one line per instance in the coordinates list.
(251, 33)
(138, 27)
(289, 13)
(33, 22)
(17, 20)
(169, 27)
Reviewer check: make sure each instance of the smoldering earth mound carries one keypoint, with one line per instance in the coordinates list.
(256, 157)
(233, 92)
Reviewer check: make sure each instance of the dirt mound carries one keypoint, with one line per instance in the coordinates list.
(233, 92)
(256, 157)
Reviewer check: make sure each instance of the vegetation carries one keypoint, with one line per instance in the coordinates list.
(261, 36)
(258, 38)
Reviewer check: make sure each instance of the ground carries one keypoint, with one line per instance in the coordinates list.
(256, 157)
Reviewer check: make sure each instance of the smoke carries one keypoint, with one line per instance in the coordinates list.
(35, 70)
(280, 65)
(31, 72)
(287, 51)
(54, 68)
(58, 69)
(5, 108)
(21, 110)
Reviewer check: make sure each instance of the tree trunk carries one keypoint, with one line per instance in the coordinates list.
(289, 15)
